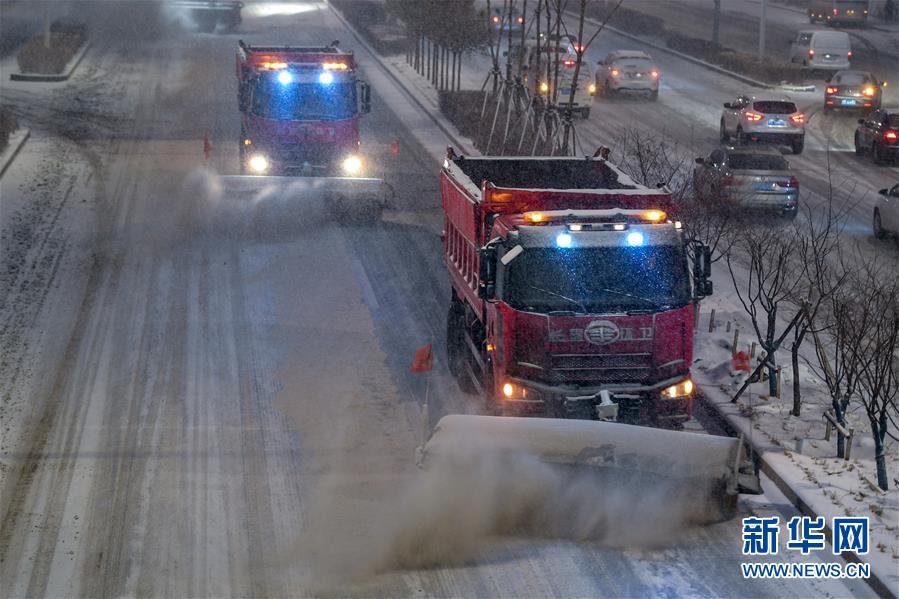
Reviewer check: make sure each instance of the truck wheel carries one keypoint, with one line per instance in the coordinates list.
(455, 347)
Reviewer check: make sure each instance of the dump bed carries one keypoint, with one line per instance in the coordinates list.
(473, 188)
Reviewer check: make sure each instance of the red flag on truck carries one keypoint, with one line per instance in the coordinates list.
(424, 359)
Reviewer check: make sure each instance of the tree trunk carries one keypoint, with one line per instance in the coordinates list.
(883, 480)
(797, 393)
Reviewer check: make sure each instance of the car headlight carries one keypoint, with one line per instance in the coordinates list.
(682, 389)
(592, 88)
(352, 166)
(544, 87)
(258, 163)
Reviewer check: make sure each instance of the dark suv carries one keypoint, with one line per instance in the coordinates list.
(878, 135)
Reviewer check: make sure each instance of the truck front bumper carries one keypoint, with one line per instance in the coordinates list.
(636, 404)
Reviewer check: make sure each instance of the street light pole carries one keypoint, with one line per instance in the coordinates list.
(762, 23)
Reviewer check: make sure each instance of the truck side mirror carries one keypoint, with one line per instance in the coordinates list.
(365, 92)
(487, 273)
(728, 105)
(702, 270)
(700, 161)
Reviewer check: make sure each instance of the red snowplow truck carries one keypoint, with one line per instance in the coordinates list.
(572, 290)
(300, 108)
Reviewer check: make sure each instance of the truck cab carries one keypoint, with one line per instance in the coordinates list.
(300, 108)
(581, 305)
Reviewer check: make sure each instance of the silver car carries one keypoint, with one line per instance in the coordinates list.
(886, 213)
(628, 71)
(764, 119)
(754, 178)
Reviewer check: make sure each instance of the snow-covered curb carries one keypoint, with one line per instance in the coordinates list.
(460, 142)
(16, 141)
(778, 466)
(66, 72)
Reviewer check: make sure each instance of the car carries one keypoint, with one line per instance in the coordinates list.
(886, 213)
(752, 177)
(853, 89)
(821, 49)
(878, 135)
(631, 71)
(499, 21)
(764, 119)
(567, 61)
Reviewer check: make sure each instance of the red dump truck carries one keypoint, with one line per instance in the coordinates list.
(572, 290)
(300, 108)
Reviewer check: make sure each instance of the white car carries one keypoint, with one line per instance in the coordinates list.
(821, 49)
(628, 71)
(886, 213)
(774, 120)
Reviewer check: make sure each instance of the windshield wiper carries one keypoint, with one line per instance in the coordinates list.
(581, 306)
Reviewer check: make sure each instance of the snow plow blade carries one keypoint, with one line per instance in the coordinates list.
(703, 472)
(350, 199)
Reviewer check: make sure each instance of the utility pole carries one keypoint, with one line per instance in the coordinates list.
(716, 24)
(762, 23)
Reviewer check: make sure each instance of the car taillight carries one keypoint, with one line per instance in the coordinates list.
(569, 63)
(831, 90)
(849, 54)
(836, 12)
(753, 116)
(793, 182)
(811, 51)
(520, 20)
(890, 136)
(727, 180)
(655, 74)
(797, 118)
(615, 72)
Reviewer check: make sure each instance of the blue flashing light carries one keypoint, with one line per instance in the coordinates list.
(326, 78)
(635, 238)
(563, 240)
(285, 77)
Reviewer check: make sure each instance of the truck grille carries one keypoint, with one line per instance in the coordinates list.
(313, 153)
(598, 368)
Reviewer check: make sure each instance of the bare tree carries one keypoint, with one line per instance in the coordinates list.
(818, 249)
(772, 278)
(870, 324)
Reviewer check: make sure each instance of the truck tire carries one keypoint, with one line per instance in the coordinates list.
(455, 347)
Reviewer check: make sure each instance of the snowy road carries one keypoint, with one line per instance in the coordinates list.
(227, 404)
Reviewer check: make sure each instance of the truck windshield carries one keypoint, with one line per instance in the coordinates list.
(304, 101)
(598, 279)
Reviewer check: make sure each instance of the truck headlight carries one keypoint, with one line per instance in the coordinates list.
(681, 389)
(258, 163)
(513, 391)
(352, 166)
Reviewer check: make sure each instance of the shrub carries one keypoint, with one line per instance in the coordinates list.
(463, 109)
(65, 40)
(370, 19)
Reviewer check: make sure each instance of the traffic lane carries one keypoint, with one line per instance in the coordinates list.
(688, 112)
(740, 31)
